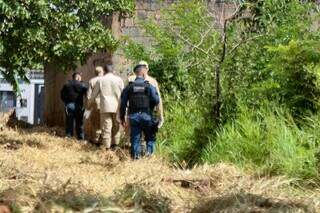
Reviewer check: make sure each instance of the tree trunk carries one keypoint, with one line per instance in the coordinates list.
(54, 79)
(218, 93)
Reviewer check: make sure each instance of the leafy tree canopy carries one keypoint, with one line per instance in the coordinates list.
(35, 32)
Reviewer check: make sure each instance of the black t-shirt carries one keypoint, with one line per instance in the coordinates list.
(73, 92)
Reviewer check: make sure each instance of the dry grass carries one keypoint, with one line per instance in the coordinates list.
(40, 172)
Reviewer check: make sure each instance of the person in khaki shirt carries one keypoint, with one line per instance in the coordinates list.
(109, 88)
(94, 107)
(154, 83)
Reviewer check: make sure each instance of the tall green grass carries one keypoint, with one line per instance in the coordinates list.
(177, 140)
(268, 141)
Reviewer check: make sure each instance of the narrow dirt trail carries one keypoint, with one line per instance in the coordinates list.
(40, 172)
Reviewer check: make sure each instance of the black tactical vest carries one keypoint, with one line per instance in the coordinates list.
(139, 97)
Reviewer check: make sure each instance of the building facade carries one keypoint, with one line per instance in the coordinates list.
(29, 106)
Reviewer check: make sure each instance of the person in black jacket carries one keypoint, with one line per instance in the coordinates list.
(72, 95)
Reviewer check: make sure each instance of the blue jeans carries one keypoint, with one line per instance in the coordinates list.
(74, 115)
(141, 122)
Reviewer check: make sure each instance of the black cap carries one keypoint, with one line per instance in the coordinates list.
(139, 68)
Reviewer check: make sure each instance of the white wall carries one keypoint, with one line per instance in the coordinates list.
(28, 93)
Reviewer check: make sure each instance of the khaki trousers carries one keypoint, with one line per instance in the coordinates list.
(110, 129)
(93, 127)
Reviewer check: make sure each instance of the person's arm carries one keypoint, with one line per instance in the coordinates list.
(154, 96)
(118, 94)
(123, 104)
(89, 94)
(95, 92)
(159, 107)
(119, 89)
(84, 88)
(90, 89)
(121, 84)
(63, 94)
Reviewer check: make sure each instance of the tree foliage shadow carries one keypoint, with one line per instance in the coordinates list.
(246, 202)
(70, 199)
(135, 197)
(131, 197)
(203, 135)
(10, 120)
(16, 143)
(13, 199)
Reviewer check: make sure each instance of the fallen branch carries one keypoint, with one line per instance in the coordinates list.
(187, 183)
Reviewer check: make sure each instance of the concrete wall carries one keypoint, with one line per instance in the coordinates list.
(145, 9)
(131, 27)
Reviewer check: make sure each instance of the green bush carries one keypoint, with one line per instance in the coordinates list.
(268, 141)
(295, 73)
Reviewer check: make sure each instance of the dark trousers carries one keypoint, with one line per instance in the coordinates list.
(74, 117)
(141, 122)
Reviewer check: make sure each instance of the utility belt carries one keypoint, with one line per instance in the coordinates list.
(154, 121)
(145, 110)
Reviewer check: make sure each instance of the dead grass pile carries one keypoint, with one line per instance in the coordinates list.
(46, 173)
(4, 118)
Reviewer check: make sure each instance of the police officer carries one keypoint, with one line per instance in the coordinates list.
(72, 95)
(159, 109)
(153, 82)
(142, 98)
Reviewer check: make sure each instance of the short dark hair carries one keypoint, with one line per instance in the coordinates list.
(74, 75)
(108, 68)
(139, 67)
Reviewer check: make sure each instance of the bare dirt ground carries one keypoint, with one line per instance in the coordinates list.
(40, 172)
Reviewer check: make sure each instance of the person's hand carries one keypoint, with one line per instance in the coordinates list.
(161, 121)
(123, 123)
(118, 119)
(87, 113)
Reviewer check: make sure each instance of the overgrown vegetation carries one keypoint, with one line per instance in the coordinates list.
(36, 32)
(260, 70)
(269, 87)
(268, 141)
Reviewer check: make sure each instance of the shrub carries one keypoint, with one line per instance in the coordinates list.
(295, 72)
(269, 141)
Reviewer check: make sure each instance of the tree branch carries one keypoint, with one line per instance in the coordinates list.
(191, 44)
(243, 42)
(236, 13)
